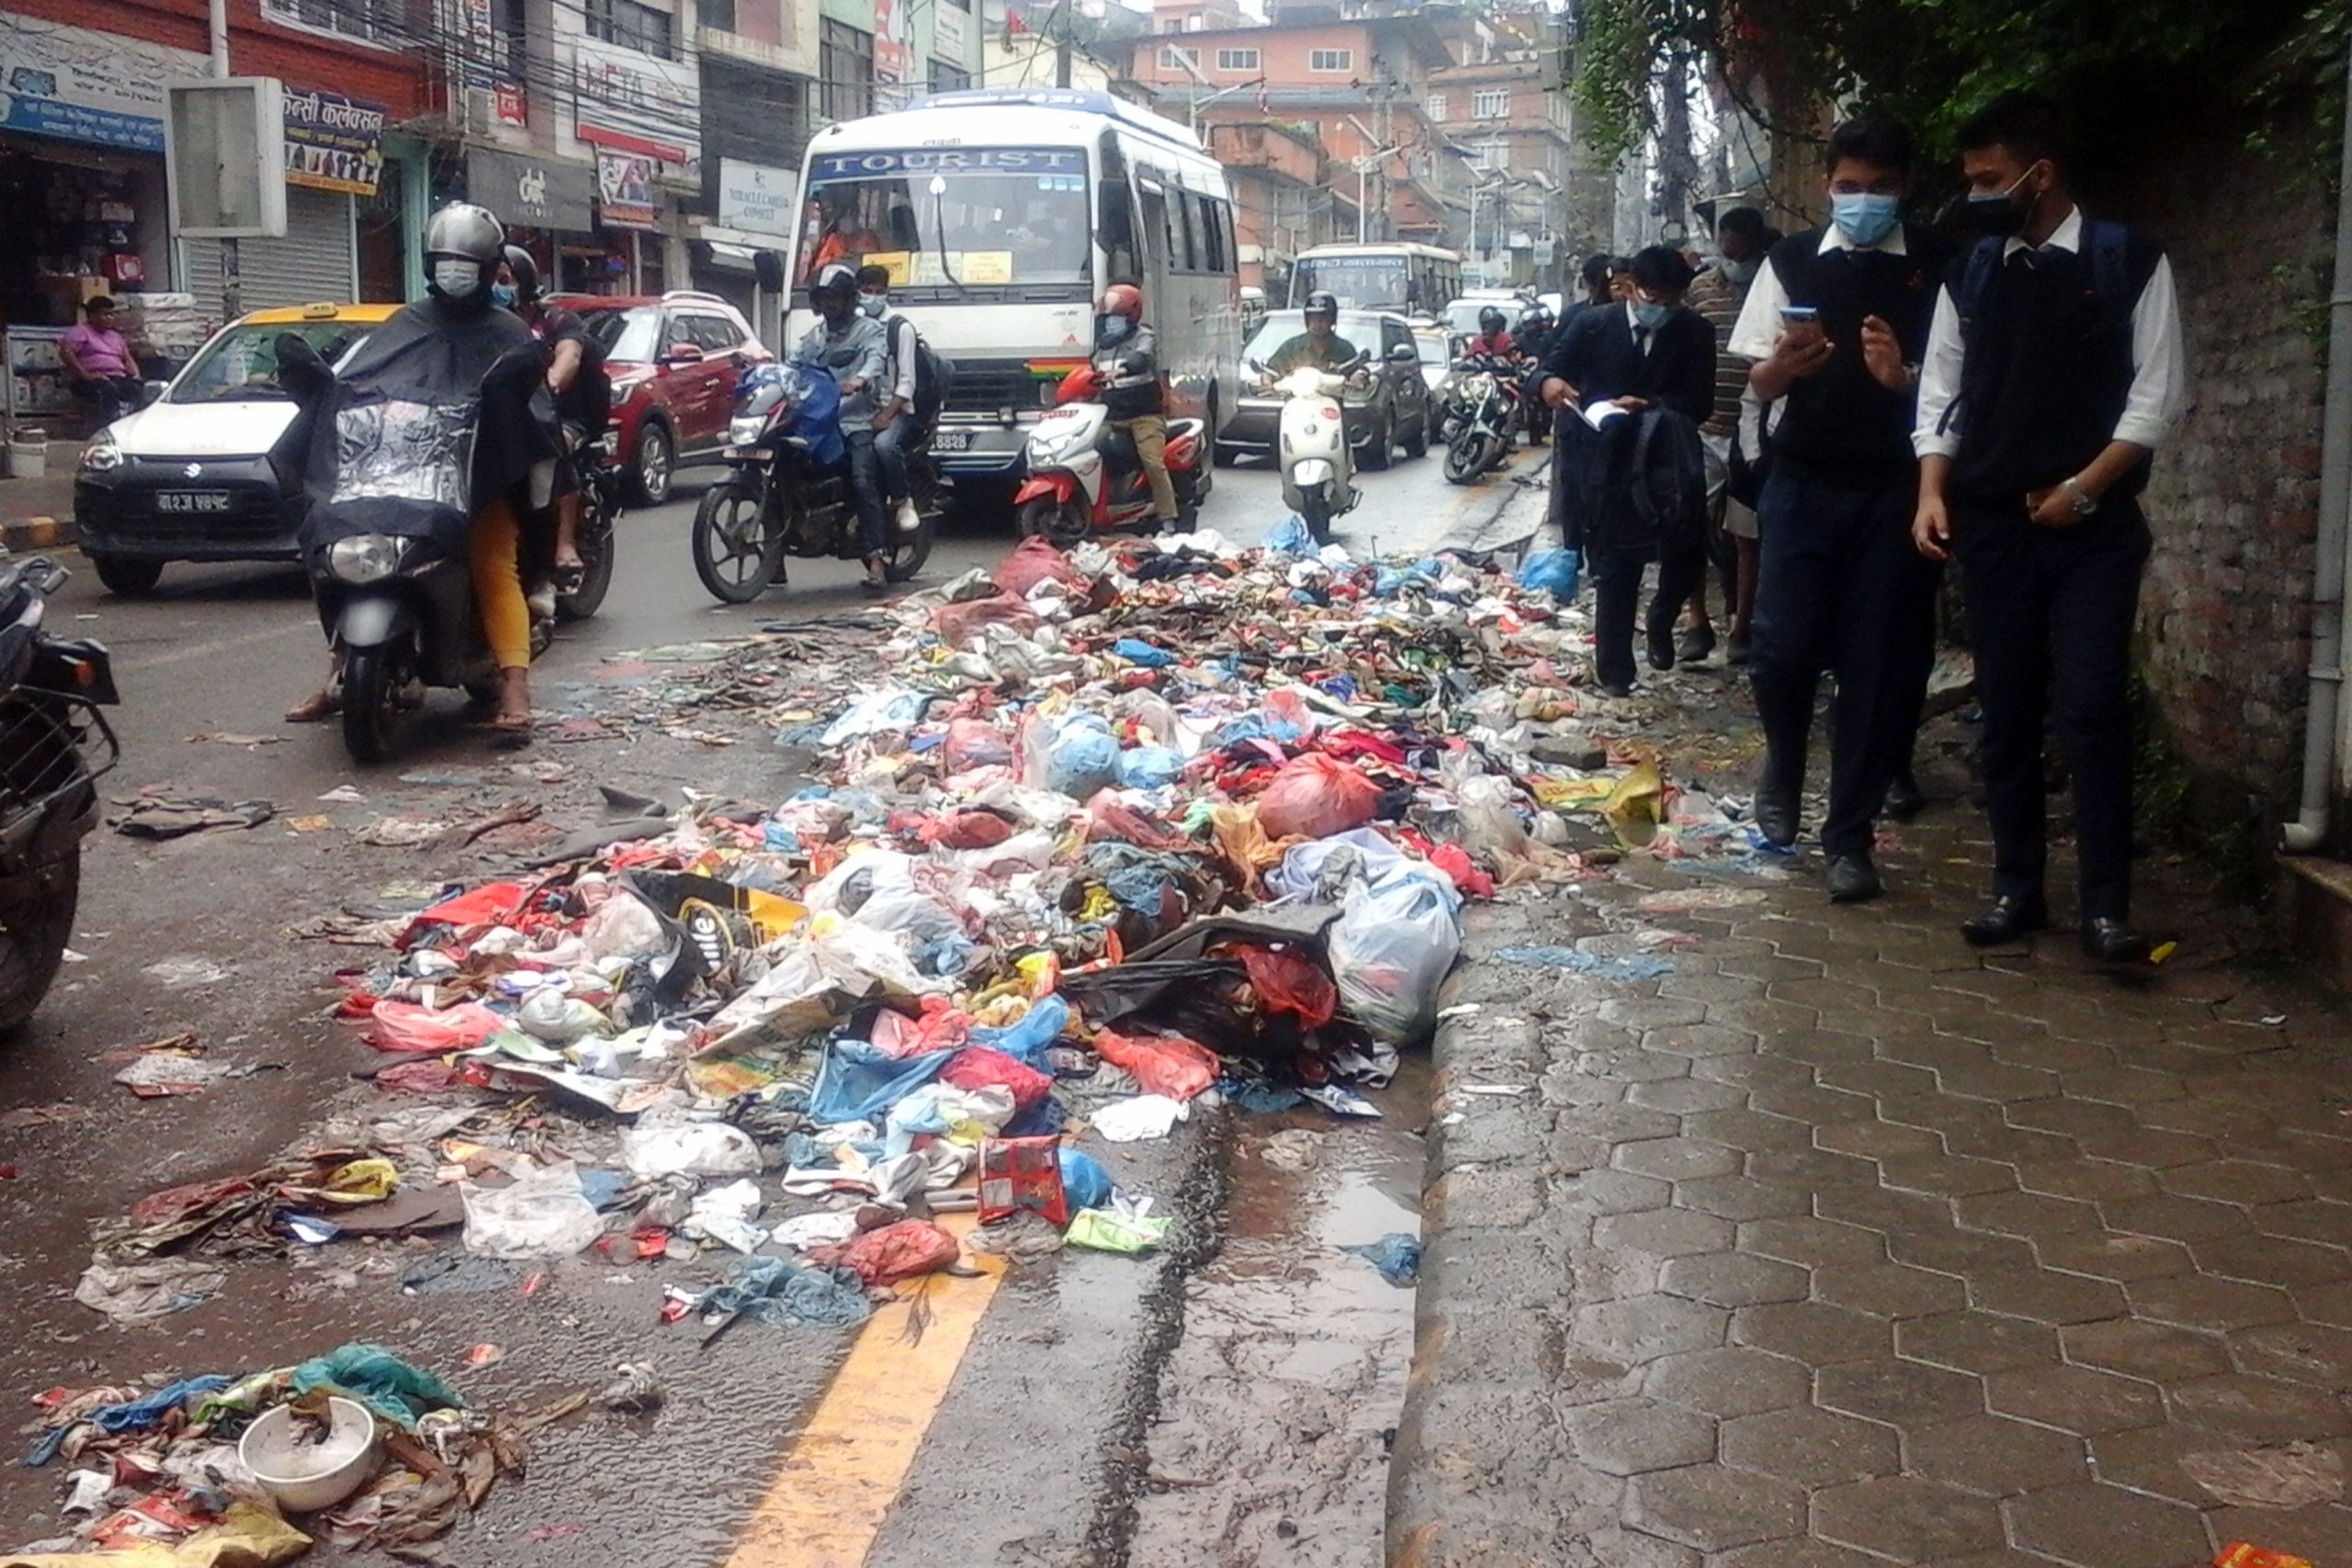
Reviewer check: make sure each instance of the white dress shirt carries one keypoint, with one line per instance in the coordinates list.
(2159, 373)
(1759, 319)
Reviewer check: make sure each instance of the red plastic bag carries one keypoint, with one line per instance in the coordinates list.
(1162, 1064)
(885, 1257)
(492, 904)
(1314, 796)
(959, 624)
(1109, 818)
(974, 830)
(1454, 861)
(1023, 1173)
(412, 1029)
(975, 743)
(1032, 562)
(979, 1066)
(1289, 981)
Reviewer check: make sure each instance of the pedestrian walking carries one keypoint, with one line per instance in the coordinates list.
(1742, 239)
(2054, 372)
(1615, 366)
(1836, 322)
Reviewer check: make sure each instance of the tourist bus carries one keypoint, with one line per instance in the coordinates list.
(1385, 274)
(1002, 214)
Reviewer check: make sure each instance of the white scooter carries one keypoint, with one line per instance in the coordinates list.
(1318, 468)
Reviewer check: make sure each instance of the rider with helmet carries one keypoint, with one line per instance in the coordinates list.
(1533, 339)
(856, 349)
(458, 325)
(583, 394)
(1320, 345)
(1126, 359)
(1494, 339)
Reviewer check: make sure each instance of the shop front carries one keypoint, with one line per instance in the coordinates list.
(548, 206)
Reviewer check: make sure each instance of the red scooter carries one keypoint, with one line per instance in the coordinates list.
(1084, 475)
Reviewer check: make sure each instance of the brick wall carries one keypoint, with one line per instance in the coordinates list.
(2225, 614)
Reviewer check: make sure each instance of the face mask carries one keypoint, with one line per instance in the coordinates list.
(1997, 212)
(1740, 271)
(1865, 217)
(873, 305)
(456, 280)
(1112, 329)
(1650, 313)
(503, 295)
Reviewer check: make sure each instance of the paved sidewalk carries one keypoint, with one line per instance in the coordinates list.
(1842, 1245)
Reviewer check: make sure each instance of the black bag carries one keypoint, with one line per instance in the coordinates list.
(1647, 489)
(934, 378)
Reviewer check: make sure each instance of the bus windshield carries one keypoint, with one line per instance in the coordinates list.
(977, 216)
(1367, 283)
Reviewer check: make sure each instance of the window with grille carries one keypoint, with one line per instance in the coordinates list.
(1490, 103)
(1177, 58)
(632, 26)
(370, 21)
(1330, 60)
(1236, 59)
(1435, 106)
(845, 61)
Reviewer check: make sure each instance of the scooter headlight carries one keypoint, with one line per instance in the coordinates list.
(365, 558)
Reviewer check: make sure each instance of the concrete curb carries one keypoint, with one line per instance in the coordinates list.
(23, 534)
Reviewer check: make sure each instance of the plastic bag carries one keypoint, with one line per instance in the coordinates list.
(858, 1082)
(1018, 1174)
(1314, 796)
(552, 1014)
(1150, 656)
(1291, 536)
(689, 1148)
(1084, 1181)
(1454, 861)
(959, 624)
(543, 1214)
(1033, 562)
(942, 1111)
(1320, 873)
(1552, 571)
(1166, 1064)
(975, 743)
(406, 1027)
(1148, 767)
(1105, 1230)
(1391, 948)
(1111, 819)
(904, 1251)
(1288, 981)
(978, 1067)
(1081, 757)
(1027, 1040)
(1485, 824)
(968, 830)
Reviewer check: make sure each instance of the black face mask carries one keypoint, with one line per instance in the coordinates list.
(1997, 213)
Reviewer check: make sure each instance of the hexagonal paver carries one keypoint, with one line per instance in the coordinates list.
(2261, 1410)
(1636, 1549)
(1791, 1554)
(1650, 1012)
(2096, 1526)
(2298, 1352)
(1734, 1381)
(1899, 1393)
(2272, 1260)
(1682, 1095)
(2044, 1295)
(1906, 1518)
(1708, 1039)
(1889, 1289)
(1811, 1242)
(1663, 1232)
(1734, 1279)
(1995, 1455)
(2153, 1350)
(1714, 1507)
(2109, 1256)
(1738, 1198)
(1674, 1159)
(2081, 1400)
(1877, 1140)
(1629, 1437)
(1749, 1130)
(2197, 1301)
(1615, 1124)
(1643, 1327)
(2314, 1219)
(1813, 1331)
(2173, 1217)
(1813, 1447)
(1946, 1176)
(2149, 1460)
(2025, 1213)
(1976, 1342)
(1618, 1192)
(2236, 1182)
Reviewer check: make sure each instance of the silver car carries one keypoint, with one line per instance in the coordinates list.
(1393, 407)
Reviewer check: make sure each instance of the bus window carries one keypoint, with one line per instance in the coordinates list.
(1155, 225)
(1115, 231)
(1009, 216)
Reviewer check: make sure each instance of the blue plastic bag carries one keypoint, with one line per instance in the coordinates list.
(1134, 650)
(1082, 758)
(1556, 572)
(1292, 538)
(1148, 767)
(1084, 1181)
(856, 1081)
(1026, 1041)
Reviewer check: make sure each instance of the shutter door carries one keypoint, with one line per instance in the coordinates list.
(312, 262)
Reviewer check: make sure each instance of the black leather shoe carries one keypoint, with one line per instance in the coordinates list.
(1853, 880)
(1693, 646)
(2007, 920)
(1616, 689)
(2106, 940)
(1662, 647)
(1776, 814)
(1905, 799)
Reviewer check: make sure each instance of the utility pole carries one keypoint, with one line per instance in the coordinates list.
(232, 288)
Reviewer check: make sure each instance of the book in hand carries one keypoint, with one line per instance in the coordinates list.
(1600, 415)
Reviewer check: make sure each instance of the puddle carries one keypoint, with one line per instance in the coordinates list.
(1277, 1408)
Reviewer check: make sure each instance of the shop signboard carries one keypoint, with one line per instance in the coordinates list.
(80, 85)
(756, 199)
(334, 142)
(893, 56)
(947, 34)
(625, 197)
(538, 192)
(631, 102)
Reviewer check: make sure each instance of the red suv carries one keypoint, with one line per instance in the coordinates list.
(673, 363)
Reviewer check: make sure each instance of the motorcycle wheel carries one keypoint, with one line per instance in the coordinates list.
(1315, 511)
(1060, 524)
(36, 921)
(1466, 458)
(369, 691)
(597, 550)
(737, 548)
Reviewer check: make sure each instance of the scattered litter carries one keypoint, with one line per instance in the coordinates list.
(227, 739)
(1592, 964)
(344, 794)
(1396, 1256)
(142, 1293)
(1133, 1121)
(1293, 1148)
(184, 970)
(152, 816)
(1497, 1090)
(1104, 1230)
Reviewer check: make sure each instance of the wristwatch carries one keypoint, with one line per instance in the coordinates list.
(2084, 502)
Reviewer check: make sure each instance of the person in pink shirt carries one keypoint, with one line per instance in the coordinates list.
(98, 360)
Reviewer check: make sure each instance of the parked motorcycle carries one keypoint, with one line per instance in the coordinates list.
(789, 492)
(53, 745)
(1317, 465)
(1084, 474)
(1497, 411)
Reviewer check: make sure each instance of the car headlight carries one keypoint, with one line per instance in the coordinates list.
(102, 455)
(365, 558)
(747, 431)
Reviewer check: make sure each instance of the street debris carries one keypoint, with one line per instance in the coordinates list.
(1396, 1256)
(152, 815)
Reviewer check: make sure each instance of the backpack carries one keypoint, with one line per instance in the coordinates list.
(1647, 486)
(934, 376)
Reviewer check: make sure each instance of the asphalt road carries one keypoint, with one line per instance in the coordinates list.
(1027, 1448)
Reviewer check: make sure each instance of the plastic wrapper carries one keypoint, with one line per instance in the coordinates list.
(1084, 1181)
(1315, 796)
(543, 1214)
(688, 1148)
(1166, 1064)
(942, 1111)
(1286, 980)
(1552, 571)
(859, 1082)
(1391, 949)
(1106, 1230)
(978, 1067)
(1322, 871)
(968, 830)
(1033, 562)
(1486, 825)
(906, 1250)
(1021, 1175)
(1079, 757)
(1028, 1038)
(975, 743)
(407, 1027)
(960, 625)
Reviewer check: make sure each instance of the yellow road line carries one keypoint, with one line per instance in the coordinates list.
(829, 1501)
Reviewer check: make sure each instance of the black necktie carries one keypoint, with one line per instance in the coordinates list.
(1642, 338)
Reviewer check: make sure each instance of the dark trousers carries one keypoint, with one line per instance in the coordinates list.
(1617, 591)
(865, 482)
(2050, 615)
(115, 394)
(1572, 444)
(1840, 587)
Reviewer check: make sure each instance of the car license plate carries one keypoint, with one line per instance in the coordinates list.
(952, 441)
(186, 500)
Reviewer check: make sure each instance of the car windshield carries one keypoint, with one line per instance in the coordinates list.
(1361, 328)
(1008, 215)
(1353, 280)
(240, 364)
(628, 335)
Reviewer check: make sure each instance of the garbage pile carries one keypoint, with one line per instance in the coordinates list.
(367, 1448)
(1106, 837)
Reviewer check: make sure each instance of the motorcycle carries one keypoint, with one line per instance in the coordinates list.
(54, 743)
(600, 507)
(393, 480)
(1317, 465)
(789, 492)
(1498, 407)
(1084, 475)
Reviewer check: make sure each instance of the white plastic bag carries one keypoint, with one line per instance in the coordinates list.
(1391, 948)
(542, 1214)
(689, 1148)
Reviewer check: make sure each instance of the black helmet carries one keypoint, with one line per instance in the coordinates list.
(1322, 302)
(466, 232)
(1492, 320)
(526, 274)
(834, 278)
(1535, 318)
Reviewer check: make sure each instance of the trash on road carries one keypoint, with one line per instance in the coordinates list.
(1396, 1256)
(156, 815)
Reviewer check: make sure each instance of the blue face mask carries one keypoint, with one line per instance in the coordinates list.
(503, 293)
(1650, 315)
(1865, 217)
